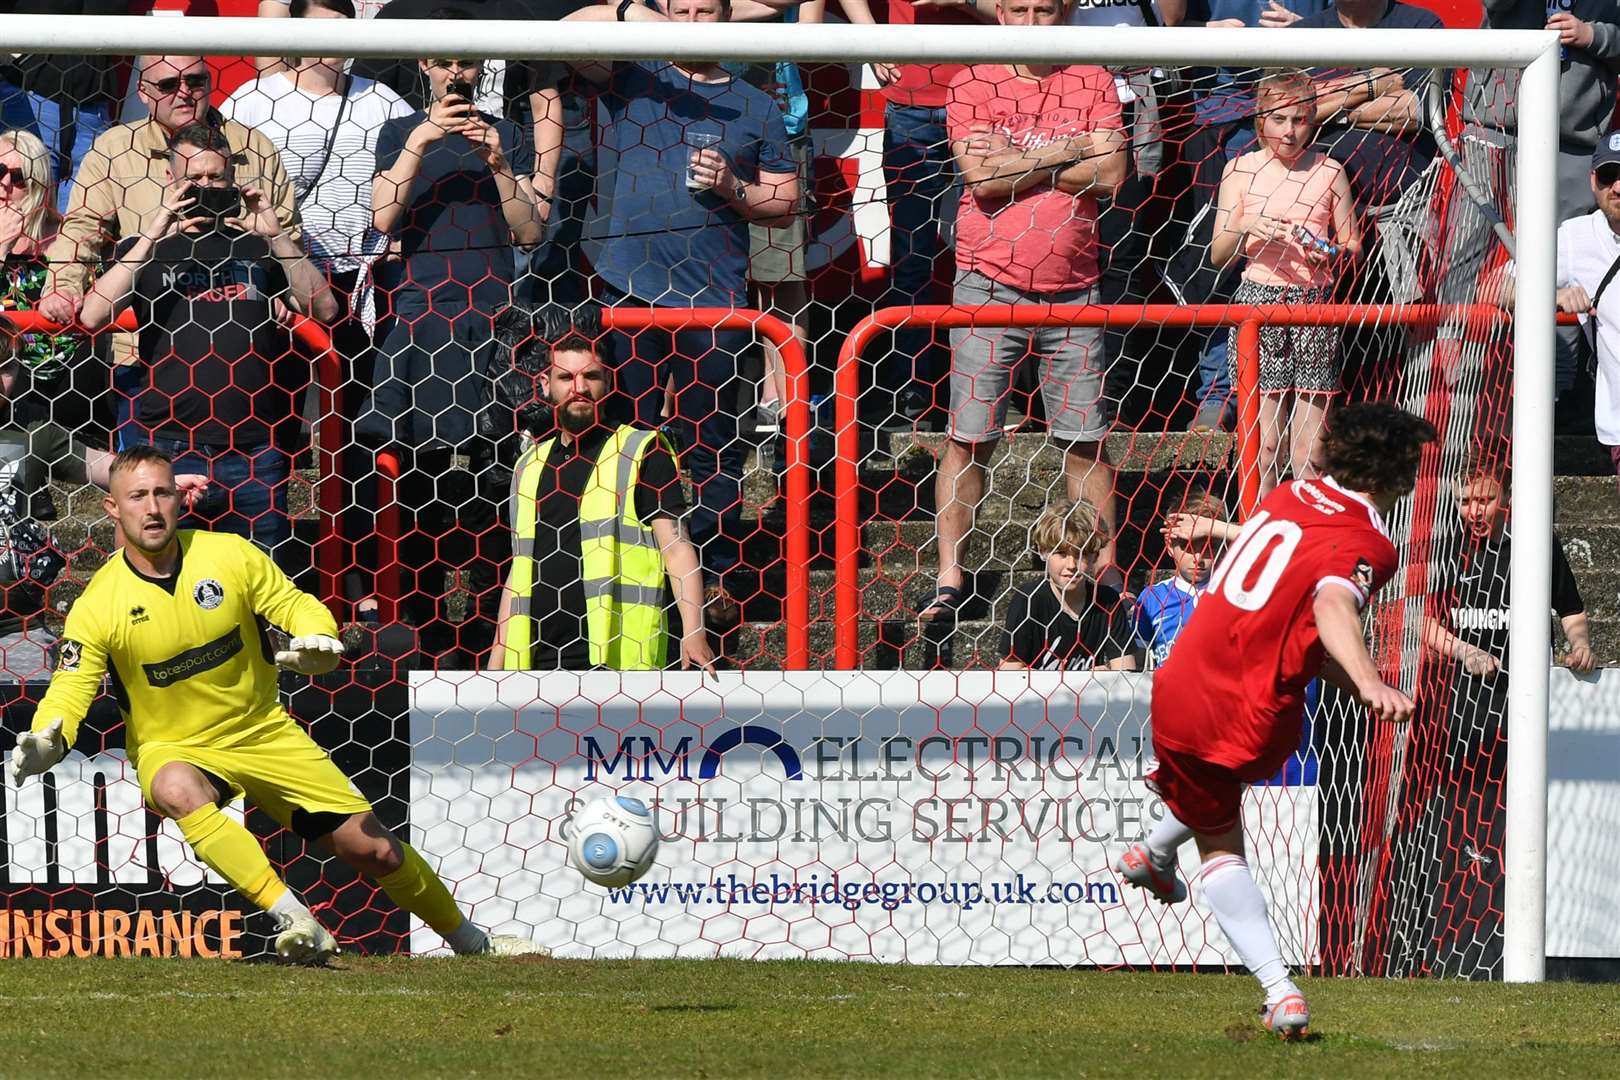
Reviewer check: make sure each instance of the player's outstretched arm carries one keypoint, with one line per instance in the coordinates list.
(80, 667)
(314, 648)
(274, 596)
(1338, 623)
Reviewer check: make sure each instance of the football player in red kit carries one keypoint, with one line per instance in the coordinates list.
(1282, 608)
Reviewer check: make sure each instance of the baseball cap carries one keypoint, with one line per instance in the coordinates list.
(1607, 152)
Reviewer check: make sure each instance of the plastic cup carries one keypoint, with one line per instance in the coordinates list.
(695, 141)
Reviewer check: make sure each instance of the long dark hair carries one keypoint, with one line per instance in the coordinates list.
(1373, 446)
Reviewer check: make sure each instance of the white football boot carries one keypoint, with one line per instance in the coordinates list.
(1289, 1018)
(512, 945)
(303, 940)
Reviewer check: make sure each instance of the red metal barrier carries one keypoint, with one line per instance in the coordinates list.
(329, 432)
(329, 437)
(388, 534)
(797, 482)
(1248, 318)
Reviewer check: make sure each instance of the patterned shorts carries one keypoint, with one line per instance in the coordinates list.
(1301, 358)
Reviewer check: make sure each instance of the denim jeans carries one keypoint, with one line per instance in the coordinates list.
(921, 176)
(1214, 367)
(704, 367)
(1215, 378)
(247, 493)
(68, 131)
(16, 113)
(555, 270)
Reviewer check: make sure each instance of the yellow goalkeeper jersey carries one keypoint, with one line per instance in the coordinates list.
(189, 657)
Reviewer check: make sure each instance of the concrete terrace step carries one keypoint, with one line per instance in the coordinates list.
(1583, 499)
(893, 590)
(908, 644)
(1129, 451)
(884, 646)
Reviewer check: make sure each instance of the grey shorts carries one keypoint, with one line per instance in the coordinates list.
(984, 358)
(776, 254)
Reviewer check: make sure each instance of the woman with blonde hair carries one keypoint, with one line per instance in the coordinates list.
(28, 221)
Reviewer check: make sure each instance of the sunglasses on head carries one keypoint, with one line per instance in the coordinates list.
(172, 83)
(14, 173)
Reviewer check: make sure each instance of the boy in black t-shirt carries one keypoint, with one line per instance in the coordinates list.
(1066, 621)
(1471, 624)
(221, 377)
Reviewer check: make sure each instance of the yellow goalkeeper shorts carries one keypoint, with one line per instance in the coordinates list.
(284, 772)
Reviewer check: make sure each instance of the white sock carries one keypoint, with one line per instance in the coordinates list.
(288, 905)
(1241, 910)
(1167, 836)
(467, 939)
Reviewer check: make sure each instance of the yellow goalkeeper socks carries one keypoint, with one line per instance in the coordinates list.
(233, 853)
(417, 889)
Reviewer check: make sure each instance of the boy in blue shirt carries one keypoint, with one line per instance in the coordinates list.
(1163, 609)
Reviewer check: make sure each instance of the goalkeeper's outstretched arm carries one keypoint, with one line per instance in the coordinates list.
(74, 685)
(314, 648)
(274, 596)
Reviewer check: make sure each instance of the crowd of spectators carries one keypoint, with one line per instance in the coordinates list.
(408, 205)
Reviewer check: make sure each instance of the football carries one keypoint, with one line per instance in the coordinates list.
(612, 840)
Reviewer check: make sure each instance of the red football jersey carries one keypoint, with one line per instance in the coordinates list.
(1232, 691)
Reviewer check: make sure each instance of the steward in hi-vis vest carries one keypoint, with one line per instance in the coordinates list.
(595, 513)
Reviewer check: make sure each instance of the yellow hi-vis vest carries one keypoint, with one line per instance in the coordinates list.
(622, 565)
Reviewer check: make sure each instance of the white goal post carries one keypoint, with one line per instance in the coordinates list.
(1535, 53)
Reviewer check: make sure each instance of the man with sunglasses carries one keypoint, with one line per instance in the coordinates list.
(120, 186)
(1588, 266)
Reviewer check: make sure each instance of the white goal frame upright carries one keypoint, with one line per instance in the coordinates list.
(1534, 52)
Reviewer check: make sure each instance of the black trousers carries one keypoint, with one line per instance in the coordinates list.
(1471, 825)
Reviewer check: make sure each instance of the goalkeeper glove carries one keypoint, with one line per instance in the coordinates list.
(30, 555)
(316, 654)
(37, 751)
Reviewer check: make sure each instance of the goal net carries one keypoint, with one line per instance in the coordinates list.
(595, 369)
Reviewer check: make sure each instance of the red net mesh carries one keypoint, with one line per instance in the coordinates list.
(881, 320)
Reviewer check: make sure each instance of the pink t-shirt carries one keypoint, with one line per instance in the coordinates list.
(1300, 196)
(923, 85)
(1041, 240)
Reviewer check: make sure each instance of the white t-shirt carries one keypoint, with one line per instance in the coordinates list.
(334, 202)
(1109, 13)
(1587, 247)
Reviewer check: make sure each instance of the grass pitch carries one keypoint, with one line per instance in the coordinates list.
(387, 1019)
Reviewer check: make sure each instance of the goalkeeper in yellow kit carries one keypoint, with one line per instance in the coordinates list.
(178, 620)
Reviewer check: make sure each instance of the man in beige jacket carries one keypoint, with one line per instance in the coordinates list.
(119, 188)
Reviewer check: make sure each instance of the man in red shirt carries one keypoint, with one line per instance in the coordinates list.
(1283, 607)
(1035, 147)
(920, 175)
